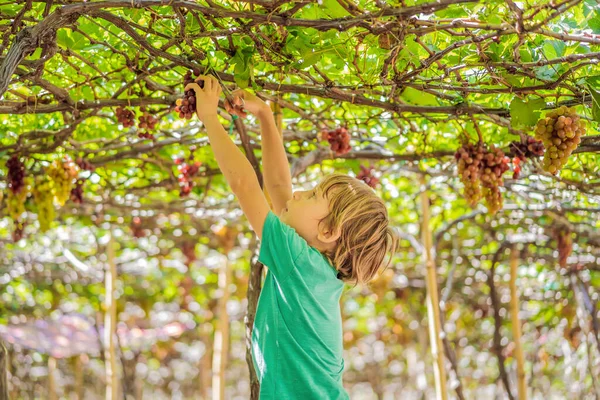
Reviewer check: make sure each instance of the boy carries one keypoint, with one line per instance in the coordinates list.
(312, 242)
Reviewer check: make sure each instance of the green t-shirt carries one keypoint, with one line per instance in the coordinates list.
(297, 336)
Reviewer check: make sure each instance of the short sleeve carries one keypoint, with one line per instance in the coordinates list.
(280, 247)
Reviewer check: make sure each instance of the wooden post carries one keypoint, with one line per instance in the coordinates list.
(3, 372)
(433, 304)
(221, 340)
(110, 319)
(516, 324)
(51, 382)
(77, 366)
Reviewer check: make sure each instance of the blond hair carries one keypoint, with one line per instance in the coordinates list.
(362, 219)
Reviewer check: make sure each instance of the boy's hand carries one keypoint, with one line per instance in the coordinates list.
(207, 98)
(246, 101)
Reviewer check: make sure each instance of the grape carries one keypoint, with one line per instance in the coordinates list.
(481, 171)
(16, 173)
(564, 244)
(125, 116)
(560, 131)
(62, 174)
(469, 159)
(186, 173)
(43, 195)
(19, 231)
(147, 123)
(339, 140)
(186, 106)
(77, 192)
(15, 202)
(85, 165)
(366, 175)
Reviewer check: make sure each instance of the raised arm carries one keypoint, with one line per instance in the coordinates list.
(235, 166)
(276, 170)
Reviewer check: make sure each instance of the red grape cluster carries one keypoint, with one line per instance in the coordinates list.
(125, 116)
(188, 248)
(137, 228)
(77, 192)
(366, 175)
(561, 132)
(187, 105)
(524, 150)
(17, 190)
(468, 158)
(84, 165)
(339, 140)
(147, 123)
(564, 244)
(493, 165)
(19, 231)
(481, 171)
(187, 171)
(16, 173)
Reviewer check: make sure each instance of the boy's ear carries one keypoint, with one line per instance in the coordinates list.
(329, 236)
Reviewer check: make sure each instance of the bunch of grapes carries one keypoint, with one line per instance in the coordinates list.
(366, 175)
(137, 228)
(560, 131)
(188, 248)
(15, 202)
(85, 165)
(468, 158)
(146, 124)
(564, 244)
(19, 231)
(187, 105)
(186, 174)
(125, 116)
(77, 192)
(16, 173)
(63, 174)
(43, 196)
(493, 165)
(339, 140)
(481, 171)
(523, 151)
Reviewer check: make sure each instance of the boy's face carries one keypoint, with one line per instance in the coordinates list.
(304, 211)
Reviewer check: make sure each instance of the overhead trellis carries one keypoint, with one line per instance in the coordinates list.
(409, 80)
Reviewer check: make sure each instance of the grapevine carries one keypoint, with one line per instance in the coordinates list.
(339, 140)
(43, 196)
(561, 132)
(63, 173)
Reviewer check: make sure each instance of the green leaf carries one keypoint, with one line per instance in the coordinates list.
(64, 39)
(419, 98)
(595, 103)
(525, 114)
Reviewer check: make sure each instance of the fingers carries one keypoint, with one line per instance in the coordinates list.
(193, 86)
